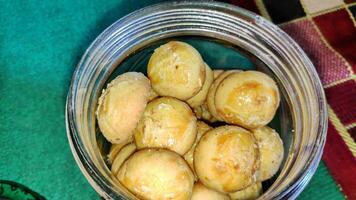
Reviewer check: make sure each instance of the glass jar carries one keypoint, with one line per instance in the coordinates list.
(224, 33)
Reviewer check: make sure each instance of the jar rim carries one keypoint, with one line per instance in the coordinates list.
(155, 22)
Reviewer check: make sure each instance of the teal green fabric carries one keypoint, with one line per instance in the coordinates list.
(40, 44)
(322, 187)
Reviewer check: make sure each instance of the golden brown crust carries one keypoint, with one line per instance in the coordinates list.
(249, 99)
(177, 70)
(226, 159)
(166, 123)
(157, 174)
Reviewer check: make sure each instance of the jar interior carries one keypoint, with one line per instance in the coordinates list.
(218, 55)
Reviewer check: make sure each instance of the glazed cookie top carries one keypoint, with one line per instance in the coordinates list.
(157, 174)
(177, 70)
(226, 159)
(167, 123)
(249, 99)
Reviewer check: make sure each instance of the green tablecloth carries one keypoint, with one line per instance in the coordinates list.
(40, 44)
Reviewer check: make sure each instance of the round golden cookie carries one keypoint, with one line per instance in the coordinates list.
(177, 70)
(167, 123)
(226, 159)
(157, 174)
(271, 151)
(217, 72)
(249, 99)
(120, 158)
(201, 192)
(250, 193)
(202, 128)
(199, 98)
(120, 109)
(210, 100)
